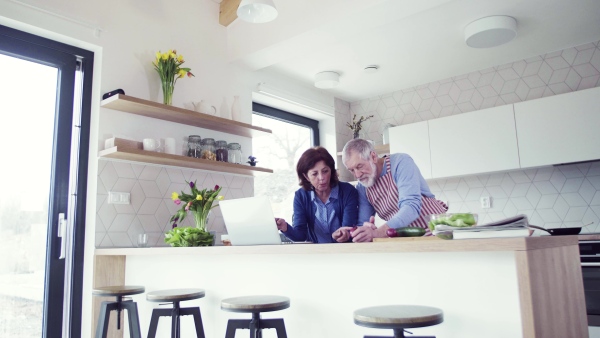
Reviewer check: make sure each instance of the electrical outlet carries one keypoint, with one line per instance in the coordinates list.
(118, 197)
(486, 202)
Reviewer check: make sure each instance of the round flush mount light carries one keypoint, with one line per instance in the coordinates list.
(490, 31)
(326, 80)
(257, 11)
(371, 69)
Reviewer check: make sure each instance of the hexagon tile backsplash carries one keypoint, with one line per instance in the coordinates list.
(117, 225)
(552, 197)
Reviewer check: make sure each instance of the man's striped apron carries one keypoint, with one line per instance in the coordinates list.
(383, 196)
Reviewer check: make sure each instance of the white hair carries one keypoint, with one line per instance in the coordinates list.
(358, 145)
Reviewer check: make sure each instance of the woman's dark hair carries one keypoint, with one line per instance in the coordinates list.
(308, 160)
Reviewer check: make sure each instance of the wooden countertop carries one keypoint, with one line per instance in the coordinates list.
(381, 245)
(591, 237)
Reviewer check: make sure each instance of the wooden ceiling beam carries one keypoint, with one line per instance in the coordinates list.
(228, 11)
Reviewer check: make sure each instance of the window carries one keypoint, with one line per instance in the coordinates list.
(280, 151)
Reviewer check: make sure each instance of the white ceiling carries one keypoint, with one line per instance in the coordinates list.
(412, 41)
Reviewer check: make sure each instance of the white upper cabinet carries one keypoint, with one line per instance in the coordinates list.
(413, 139)
(559, 129)
(475, 142)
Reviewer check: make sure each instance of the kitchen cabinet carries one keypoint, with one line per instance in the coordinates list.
(559, 129)
(151, 109)
(476, 142)
(413, 139)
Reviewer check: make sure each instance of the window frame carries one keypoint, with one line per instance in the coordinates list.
(284, 116)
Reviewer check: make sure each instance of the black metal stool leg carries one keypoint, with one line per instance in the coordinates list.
(234, 324)
(275, 323)
(175, 327)
(103, 318)
(134, 319)
(156, 314)
(195, 312)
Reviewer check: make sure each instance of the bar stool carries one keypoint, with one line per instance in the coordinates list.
(175, 296)
(398, 318)
(255, 305)
(119, 291)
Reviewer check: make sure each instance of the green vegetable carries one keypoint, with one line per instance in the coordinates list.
(188, 236)
(410, 232)
(454, 220)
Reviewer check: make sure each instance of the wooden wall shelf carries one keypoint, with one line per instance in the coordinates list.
(138, 155)
(133, 105)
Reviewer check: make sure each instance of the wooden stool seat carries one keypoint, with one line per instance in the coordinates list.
(398, 317)
(255, 304)
(173, 295)
(118, 290)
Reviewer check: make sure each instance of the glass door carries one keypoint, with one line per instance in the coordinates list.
(42, 145)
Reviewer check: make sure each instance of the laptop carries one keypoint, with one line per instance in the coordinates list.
(250, 221)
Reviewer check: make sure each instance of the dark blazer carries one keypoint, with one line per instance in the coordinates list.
(346, 205)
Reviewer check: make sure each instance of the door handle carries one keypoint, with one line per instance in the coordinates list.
(62, 234)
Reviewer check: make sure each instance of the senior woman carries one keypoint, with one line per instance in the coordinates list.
(323, 204)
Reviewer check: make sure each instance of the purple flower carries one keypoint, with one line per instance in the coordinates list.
(178, 201)
(192, 185)
(176, 219)
(216, 187)
(174, 225)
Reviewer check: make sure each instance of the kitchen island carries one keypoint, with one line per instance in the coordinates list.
(504, 287)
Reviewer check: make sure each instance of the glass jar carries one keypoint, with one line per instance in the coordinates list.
(208, 149)
(235, 153)
(194, 146)
(221, 152)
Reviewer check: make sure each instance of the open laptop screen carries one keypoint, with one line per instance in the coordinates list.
(250, 221)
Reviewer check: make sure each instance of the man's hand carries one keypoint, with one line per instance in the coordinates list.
(342, 234)
(281, 224)
(368, 231)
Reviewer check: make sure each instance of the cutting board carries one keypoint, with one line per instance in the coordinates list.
(407, 239)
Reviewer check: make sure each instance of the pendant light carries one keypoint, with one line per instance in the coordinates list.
(257, 11)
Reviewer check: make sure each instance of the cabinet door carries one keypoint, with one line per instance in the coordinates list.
(559, 129)
(472, 143)
(413, 139)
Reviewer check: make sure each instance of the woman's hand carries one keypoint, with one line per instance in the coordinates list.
(281, 224)
(342, 234)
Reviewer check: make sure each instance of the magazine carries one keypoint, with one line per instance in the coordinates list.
(516, 226)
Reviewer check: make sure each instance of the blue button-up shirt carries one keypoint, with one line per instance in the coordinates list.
(326, 221)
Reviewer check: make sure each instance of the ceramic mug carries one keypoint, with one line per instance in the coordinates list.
(170, 146)
(151, 144)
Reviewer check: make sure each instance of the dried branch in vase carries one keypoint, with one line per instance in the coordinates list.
(356, 126)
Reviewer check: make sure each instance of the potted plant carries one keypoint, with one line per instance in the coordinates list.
(356, 126)
(199, 203)
(252, 160)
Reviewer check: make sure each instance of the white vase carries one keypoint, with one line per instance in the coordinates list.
(236, 109)
(224, 111)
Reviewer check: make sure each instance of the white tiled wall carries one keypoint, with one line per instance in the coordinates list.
(552, 197)
(151, 205)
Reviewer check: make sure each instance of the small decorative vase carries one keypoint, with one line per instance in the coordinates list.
(168, 87)
(356, 134)
(236, 109)
(224, 110)
(200, 220)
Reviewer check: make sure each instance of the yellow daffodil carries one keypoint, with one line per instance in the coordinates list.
(180, 58)
(181, 73)
(199, 197)
(174, 196)
(220, 198)
(157, 55)
(173, 56)
(165, 56)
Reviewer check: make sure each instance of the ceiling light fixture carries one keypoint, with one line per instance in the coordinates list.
(490, 31)
(257, 11)
(326, 80)
(371, 69)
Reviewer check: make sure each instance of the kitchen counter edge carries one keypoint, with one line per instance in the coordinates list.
(383, 246)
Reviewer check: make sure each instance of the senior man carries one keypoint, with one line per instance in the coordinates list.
(392, 187)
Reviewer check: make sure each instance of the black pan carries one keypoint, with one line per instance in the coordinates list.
(558, 231)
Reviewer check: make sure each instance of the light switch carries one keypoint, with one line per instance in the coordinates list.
(115, 197)
(486, 202)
